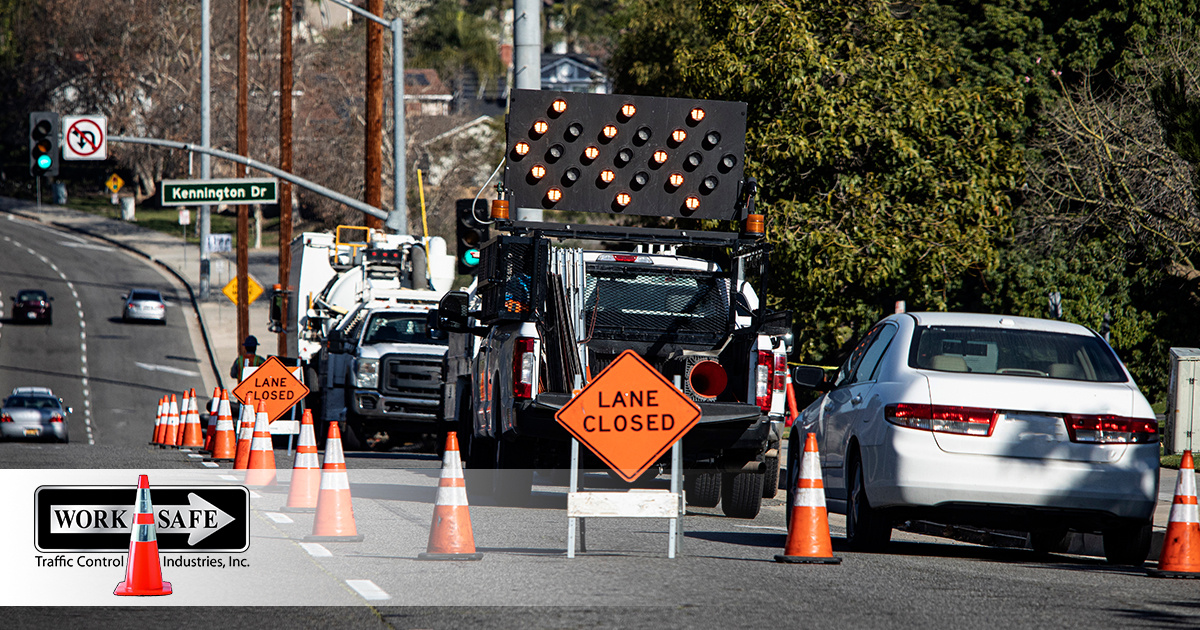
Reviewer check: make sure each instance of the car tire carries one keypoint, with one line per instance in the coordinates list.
(770, 477)
(1049, 540)
(1127, 543)
(513, 483)
(866, 528)
(741, 494)
(703, 488)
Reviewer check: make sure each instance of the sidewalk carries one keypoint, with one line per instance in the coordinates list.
(212, 323)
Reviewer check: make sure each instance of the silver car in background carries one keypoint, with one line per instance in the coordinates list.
(144, 304)
(33, 413)
(1004, 423)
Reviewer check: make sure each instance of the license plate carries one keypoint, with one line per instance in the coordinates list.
(31, 432)
(31, 315)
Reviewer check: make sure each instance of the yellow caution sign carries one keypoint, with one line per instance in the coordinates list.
(114, 183)
(253, 290)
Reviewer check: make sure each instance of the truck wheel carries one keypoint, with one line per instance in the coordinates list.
(793, 474)
(703, 488)
(513, 484)
(741, 494)
(771, 477)
(1127, 543)
(351, 432)
(480, 463)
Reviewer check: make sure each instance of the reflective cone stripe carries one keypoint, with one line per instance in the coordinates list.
(334, 520)
(224, 446)
(185, 408)
(210, 426)
(159, 427)
(193, 435)
(450, 535)
(143, 573)
(262, 451)
(244, 437)
(306, 470)
(172, 423)
(808, 538)
(1180, 556)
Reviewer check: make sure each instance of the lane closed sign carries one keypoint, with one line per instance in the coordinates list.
(274, 385)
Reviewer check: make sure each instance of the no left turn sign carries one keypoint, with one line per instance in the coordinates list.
(85, 138)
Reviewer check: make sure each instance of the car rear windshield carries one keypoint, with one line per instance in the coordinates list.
(1014, 352)
(145, 295)
(31, 296)
(31, 402)
(398, 328)
(645, 303)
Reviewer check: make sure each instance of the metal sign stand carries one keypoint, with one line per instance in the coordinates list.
(628, 504)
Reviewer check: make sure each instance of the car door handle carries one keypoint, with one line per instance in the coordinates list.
(857, 399)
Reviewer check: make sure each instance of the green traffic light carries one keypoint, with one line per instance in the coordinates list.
(44, 161)
(470, 258)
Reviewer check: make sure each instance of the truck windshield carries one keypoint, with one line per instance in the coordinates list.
(652, 303)
(397, 328)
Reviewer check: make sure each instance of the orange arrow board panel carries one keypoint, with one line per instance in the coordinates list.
(274, 384)
(629, 415)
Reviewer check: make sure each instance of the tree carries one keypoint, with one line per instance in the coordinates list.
(882, 180)
(652, 35)
(454, 41)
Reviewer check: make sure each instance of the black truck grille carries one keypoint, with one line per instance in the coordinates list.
(412, 376)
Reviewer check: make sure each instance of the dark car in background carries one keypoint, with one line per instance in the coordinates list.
(144, 305)
(33, 413)
(32, 305)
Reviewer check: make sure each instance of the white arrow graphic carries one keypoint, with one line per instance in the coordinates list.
(199, 518)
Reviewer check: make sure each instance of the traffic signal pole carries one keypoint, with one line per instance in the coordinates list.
(527, 64)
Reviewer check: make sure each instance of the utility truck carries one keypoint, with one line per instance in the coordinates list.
(357, 323)
(546, 314)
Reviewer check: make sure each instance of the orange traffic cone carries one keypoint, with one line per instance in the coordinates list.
(159, 414)
(224, 446)
(143, 573)
(245, 435)
(1180, 556)
(450, 536)
(210, 426)
(808, 538)
(172, 429)
(262, 452)
(334, 521)
(793, 411)
(193, 435)
(306, 471)
(185, 407)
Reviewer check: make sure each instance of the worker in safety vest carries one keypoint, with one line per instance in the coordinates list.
(248, 357)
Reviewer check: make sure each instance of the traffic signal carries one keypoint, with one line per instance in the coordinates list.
(43, 143)
(472, 234)
(638, 155)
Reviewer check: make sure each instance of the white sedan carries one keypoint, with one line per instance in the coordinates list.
(992, 421)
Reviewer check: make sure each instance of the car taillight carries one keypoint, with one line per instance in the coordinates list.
(780, 380)
(1109, 429)
(762, 379)
(524, 364)
(5, 418)
(57, 417)
(942, 418)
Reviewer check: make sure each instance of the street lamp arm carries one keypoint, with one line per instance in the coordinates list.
(363, 12)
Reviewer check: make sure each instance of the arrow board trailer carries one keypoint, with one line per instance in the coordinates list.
(98, 518)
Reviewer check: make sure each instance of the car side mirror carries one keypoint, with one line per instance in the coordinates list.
(451, 314)
(810, 377)
(50, 298)
(70, 410)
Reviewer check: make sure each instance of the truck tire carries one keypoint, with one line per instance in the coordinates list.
(513, 484)
(479, 459)
(1128, 542)
(351, 432)
(703, 488)
(741, 494)
(770, 477)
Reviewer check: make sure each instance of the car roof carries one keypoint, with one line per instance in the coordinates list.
(32, 391)
(987, 320)
(153, 292)
(31, 291)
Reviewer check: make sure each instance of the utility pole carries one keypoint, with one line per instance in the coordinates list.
(527, 63)
(205, 141)
(374, 144)
(285, 164)
(243, 149)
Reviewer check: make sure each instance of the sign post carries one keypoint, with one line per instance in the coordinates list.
(629, 415)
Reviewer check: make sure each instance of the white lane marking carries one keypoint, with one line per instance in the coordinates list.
(195, 456)
(165, 368)
(767, 527)
(255, 495)
(316, 550)
(279, 518)
(209, 465)
(228, 477)
(367, 589)
(99, 248)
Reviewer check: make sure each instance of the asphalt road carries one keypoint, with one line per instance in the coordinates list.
(113, 373)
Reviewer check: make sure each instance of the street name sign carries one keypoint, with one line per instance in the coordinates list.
(629, 415)
(99, 518)
(85, 138)
(191, 192)
(274, 385)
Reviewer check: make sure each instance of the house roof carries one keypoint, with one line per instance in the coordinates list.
(424, 82)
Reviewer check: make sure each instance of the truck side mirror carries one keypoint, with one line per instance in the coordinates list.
(810, 377)
(431, 326)
(335, 341)
(452, 312)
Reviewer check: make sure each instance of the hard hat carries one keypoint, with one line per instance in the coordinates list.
(250, 342)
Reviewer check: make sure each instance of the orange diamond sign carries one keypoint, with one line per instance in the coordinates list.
(274, 384)
(629, 415)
